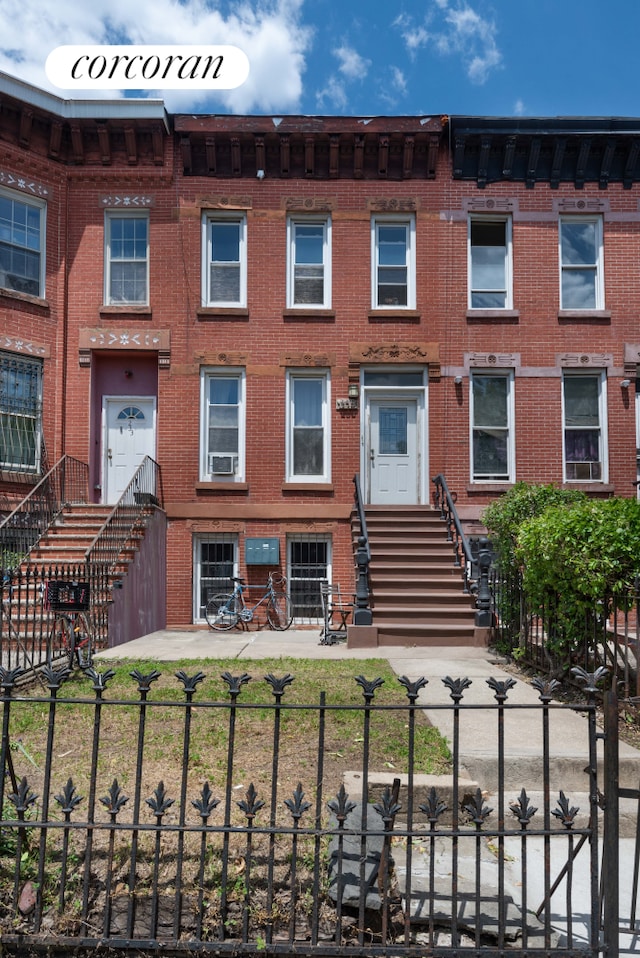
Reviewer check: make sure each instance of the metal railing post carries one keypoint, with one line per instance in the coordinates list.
(610, 850)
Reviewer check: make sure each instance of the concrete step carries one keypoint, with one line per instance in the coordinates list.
(426, 635)
(422, 616)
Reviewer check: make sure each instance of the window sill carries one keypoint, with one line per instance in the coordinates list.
(126, 309)
(584, 315)
(603, 488)
(493, 316)
(484, 487)
(213, 487)
(394, 315)
(307, 487)
(25, 298)
(223, 312)
(306, 315)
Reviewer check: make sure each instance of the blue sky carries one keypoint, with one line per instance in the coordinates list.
(363, 57)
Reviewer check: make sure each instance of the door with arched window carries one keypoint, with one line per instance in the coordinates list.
(129, 436)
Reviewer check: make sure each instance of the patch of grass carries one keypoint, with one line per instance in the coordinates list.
(305, 742)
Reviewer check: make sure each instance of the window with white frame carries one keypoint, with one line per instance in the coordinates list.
(393, 258)
(224, 244)
(126, 259)
(308, 566)
(309, 262)
(584, 426)
(22, 244)
(20, 413)
(223, 424)
(581, 263)
(215, 562)
(492, 426)
(308, 440)
(490, 262)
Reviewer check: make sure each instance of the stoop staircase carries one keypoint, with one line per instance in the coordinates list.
(417, 595)
(67, 540)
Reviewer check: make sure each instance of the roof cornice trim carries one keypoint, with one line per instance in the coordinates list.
(119, 108)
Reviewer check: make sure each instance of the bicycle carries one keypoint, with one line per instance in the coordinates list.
(71, 634)
(224, 611)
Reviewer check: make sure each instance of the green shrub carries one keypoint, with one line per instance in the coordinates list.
(504, 517)
(572, 555)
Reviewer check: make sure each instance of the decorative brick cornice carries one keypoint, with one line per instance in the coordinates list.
(492, 360)
(392, 353)
(14, 181)
(308, 359)
(157, 340)
(26, 347)
(585, 360)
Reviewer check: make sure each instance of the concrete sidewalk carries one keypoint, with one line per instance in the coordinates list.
(479, 730)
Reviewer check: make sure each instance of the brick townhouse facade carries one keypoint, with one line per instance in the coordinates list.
(269, 306)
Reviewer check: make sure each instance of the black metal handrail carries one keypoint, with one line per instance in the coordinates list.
(362, 613)
(463, 557)
(475, 561)
(143, 492)
(67, 481)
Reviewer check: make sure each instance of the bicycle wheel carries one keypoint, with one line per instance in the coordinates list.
(82, 642)
(222, 612)
(60, 641)
(280, 611)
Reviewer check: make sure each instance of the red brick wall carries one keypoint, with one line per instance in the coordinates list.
(264, 338)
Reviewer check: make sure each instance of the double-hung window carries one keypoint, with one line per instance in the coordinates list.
(490, 262)
(20, 413)
(393, 257)
(223, 425)
(224, 260)
(581, 263)
(22, 244)
(584, 426)
(309, 262)
(126, 259)
(492, 427)
(308, 440)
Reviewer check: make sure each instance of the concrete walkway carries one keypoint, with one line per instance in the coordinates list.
(478, 729)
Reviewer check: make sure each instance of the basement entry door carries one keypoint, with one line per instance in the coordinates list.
(129, 436)
(392, 454)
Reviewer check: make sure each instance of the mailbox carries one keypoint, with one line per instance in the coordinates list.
(264, 551)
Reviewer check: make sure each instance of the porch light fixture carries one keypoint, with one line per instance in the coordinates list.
(458, 380)
(354, 390)
(625, 383)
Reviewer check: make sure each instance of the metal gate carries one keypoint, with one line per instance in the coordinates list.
(621, 852)
(224, 857)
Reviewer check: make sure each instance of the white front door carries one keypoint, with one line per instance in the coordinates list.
(392, 466)
(129, 436)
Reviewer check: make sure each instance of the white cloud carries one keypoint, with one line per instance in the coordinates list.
(332, 93)
(270, 32)
(455, 29)
(351, 64)
(519, 108)
(351, 67)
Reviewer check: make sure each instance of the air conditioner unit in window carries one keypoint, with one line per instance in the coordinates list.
(221, 465)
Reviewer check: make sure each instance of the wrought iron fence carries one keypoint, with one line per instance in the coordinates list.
(66, 482)
(28, 639)
(194, 840)
(610, 633)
